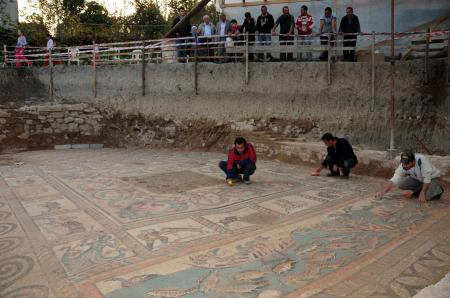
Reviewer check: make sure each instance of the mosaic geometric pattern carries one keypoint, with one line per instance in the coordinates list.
(150, 223)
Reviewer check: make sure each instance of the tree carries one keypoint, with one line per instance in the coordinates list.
(209, 9)
(35, 32)
(73, 7)
(147, 21)
(95, 13)
(7, 29)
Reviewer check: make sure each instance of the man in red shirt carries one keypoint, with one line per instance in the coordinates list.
(305, 24)
(241, 161)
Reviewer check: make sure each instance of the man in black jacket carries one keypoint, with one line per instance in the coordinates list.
(349, 24)
(181, 34)
(287, 25)
(249, 26)
(340, 156)
(264, 25)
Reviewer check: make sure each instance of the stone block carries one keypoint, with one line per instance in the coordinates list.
(52, 108)
(29, 121)
(76, 107)
(80, 146)
(63, 147)
(85, 127)
(89, 110)
(48, 130)
(79, 120)
(73, 127)
(57, 115)
(95, 146)
(68, 119)
(3, 121)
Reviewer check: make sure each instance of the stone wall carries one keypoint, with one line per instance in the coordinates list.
(42, 126)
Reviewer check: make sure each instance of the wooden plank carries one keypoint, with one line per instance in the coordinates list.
(433, 24)
(433, 41)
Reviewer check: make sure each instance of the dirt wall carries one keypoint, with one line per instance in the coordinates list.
(288, 91)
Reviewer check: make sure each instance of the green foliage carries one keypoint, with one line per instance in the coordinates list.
(209, 9)
(72, 7)
(94, 13)
(7, 37)
(147, 21)
(35, 32)
(78, 22)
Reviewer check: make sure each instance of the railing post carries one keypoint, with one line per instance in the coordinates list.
(329, 59)
(246, 59)
(427, 48)
(94, 65)
(50, 63)
(143, 68)
(5, 53)
(448, 57)
(372, 93)
(196, 66)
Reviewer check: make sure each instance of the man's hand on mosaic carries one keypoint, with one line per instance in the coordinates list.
(379, 195)
(422, 198)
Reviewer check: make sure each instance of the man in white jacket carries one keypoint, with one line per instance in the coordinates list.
(415, 173)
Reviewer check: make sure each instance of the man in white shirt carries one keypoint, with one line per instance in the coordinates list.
(223, 26)
(205, 31)
(416, 174)
(49, 42)
(49, 47)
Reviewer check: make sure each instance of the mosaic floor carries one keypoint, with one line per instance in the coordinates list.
(143, 223)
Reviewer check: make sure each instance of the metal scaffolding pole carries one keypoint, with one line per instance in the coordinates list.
(392, 85)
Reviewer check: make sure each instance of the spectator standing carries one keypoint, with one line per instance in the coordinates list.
(182, 34)
(264, 25)
(287, 23)
(249, 26)
(206, 30)
(20, 50)
(305, 24)
(349, 24)
(223, 26)
(233, 34)
(328, 29)
(48, 48)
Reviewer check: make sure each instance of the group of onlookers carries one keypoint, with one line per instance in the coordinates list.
(22, 44)
(217, 36)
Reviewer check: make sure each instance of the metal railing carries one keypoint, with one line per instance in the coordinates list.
(231, 48)
(243, 48)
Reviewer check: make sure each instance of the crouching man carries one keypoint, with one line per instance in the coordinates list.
(417, 175)
(340, 157)
(241, 161)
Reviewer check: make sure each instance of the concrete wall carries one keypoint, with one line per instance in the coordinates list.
(289, 91)
(9, 13)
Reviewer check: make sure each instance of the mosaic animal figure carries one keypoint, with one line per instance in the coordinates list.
(133, 281)
(171, 293)
(93, 252)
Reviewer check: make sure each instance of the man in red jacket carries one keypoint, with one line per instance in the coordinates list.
(241, 161)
